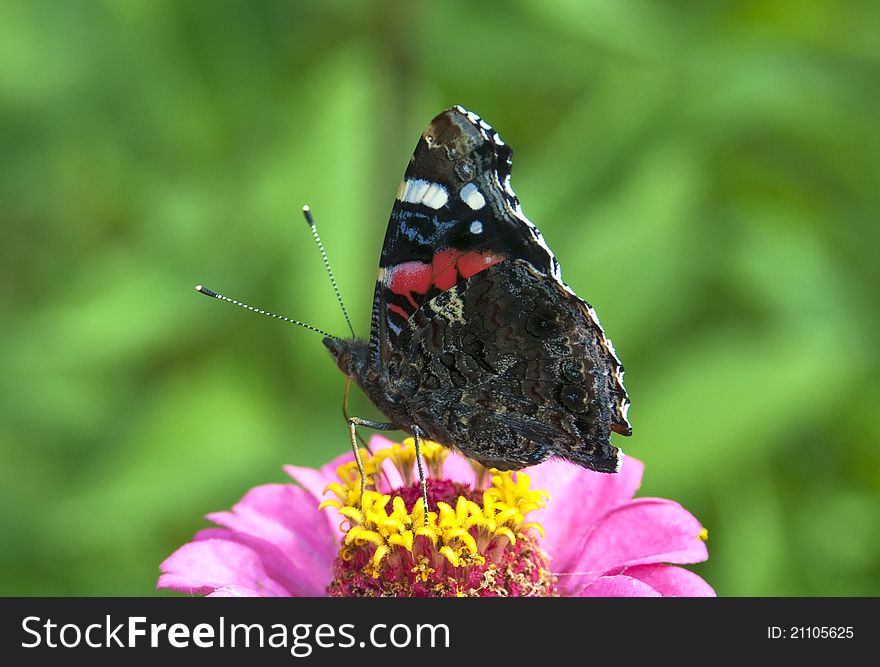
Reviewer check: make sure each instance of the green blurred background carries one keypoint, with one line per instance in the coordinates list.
(707, 173)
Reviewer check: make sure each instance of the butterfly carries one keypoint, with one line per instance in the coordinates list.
(475, 341)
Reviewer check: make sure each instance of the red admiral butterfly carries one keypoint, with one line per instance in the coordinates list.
(475, 341)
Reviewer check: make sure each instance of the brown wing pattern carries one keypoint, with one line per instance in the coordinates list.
(511, 368)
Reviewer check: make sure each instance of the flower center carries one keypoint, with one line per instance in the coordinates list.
(476, 542)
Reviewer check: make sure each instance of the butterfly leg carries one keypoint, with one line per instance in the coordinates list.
(353, 423)
(345, 412)
(417, 439)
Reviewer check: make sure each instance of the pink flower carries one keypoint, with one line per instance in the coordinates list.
(597, 539)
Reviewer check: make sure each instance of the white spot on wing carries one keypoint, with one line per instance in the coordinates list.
(416, 190)
(436, 196)
(476, 227)
(419, 191)
(472, 196)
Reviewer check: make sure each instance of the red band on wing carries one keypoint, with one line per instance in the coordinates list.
(394, 308)
(409, 277)
(471, 263)
(444, 271)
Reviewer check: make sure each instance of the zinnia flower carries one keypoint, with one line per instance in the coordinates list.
(554, 529)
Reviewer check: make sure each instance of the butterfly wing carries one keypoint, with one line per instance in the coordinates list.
(455, 215)
(456, 236)
(511, 368)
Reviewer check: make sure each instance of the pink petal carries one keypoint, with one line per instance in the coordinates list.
(578, 500)
(378, 442)
(287, 517)
(315, 481)
(233, 591)
(391, 478)
(458, 469)
(201, 567)
(672, 581)
(643, 531)
(301, 579)
(618, 586)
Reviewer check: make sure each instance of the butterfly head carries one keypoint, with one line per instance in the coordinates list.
(352, 356)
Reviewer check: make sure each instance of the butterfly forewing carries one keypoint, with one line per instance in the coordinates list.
(454, 215)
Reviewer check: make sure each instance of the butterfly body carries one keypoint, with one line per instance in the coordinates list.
(475, 340)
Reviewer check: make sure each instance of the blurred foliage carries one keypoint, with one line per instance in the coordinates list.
(706, 171)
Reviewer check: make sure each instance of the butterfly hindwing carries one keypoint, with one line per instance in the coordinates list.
(509, 366)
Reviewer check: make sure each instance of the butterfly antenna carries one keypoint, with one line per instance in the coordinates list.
(216, 295)
(307, 212)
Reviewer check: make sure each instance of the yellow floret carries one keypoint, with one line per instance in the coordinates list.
(455, 533)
